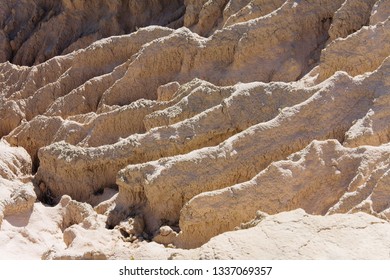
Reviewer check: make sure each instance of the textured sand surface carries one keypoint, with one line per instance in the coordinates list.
(187, 129)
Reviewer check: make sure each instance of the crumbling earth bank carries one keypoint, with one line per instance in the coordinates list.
(194, 129)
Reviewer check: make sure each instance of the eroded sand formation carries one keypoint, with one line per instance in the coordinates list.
(194, 129)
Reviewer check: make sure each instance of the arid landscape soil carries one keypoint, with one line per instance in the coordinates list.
(195, 129)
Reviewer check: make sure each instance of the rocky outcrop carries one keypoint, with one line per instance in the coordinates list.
(379, 11)
(323, 179)
(197, 96)
(361, 58)
(89, 130)
(241, 157)
(253, 10)
(54, 86)
(199, 54)
(203, 16)
(205, 129)
(373, 128)
(98, 88)
(35, 31)
(351, 16)
(179, 122)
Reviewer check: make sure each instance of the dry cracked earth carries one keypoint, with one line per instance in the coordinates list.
(195, 129)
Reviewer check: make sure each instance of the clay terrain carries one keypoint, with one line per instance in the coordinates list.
(195, 129)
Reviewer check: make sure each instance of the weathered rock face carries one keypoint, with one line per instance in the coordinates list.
(35, 31)
(323, 179)
(172, 122)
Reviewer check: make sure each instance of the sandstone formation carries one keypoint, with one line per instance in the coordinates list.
(194, 129)
(35, 31)
(323, 179)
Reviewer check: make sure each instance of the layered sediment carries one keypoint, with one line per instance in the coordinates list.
(132, 126)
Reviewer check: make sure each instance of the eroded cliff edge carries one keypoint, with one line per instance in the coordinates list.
(220, 117)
